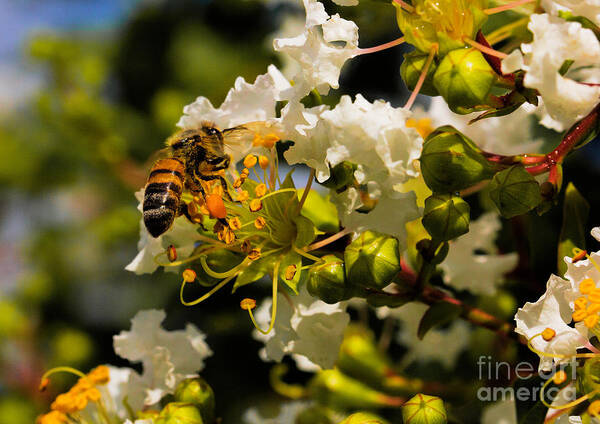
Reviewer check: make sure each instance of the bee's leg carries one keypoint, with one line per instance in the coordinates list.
(183, 210)
(223, 183)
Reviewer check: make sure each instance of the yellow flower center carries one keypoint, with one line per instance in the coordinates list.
(587, 306)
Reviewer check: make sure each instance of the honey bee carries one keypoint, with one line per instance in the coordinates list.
(193, 156)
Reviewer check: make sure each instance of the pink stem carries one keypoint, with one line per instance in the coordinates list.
(380, 47)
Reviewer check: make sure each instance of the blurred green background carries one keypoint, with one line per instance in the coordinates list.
(88, 91)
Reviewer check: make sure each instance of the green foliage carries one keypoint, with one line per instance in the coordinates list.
(446, 216)
(199, 393)
(574, 230)
(438, 314)
(515, 191)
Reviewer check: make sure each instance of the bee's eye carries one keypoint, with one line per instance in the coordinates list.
(211, 131)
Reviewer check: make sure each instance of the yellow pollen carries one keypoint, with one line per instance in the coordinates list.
(548, 334)
(250, 161)
(266, 141)
(53, 417)
(263, 161)
(591, 320)
(247, 304)
(255, 205)
(99, 375)
(594, 408)
(579, 256)
(242, 196)
(235, 223)
(226, 235)
(260, 223)
(254, 254)
(290, 272)
(237, 183)
(579, 315)
(586, 286)
(581, 303)
(189, 275)
(560, 377)
(218, 190)
(423, 126)
(594, 308)
(246, 247)
(245, 172)
(44, 384)
(260, 190)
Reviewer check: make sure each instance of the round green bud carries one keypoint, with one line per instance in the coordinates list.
(515, 191)
(359, 357)
(314, 415)
(446, 216)
(179, 413)
(372, 260)
(450, 161)
(411, 69)
(336, 390)
(465, 80)
(424, 409)
(341, 176)
(199, 393)
(327, 280)
(363, 418)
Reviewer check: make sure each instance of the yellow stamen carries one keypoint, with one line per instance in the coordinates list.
(423, 126)
(586, 286)
(171, 253)
(235, 223)
(207, 295)
(579, 256)
(594, 308)
(255, 205)
(579, 315)
(254, 254)
(250, 161)
(590, 321)
(274, 307)
(560, 377)
(548, 334)
(290, 272)
(238, 182)
(263, 162)
(52, 417)
(594, 295)
(248, 304)
(594, 409)
(242, 196)
(260, 190)
(581, 303)
(260, 223)
(189, 276)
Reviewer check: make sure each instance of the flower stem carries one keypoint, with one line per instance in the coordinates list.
(422, 77)
(311, 177)
(327, 241)
(505, 7)
(381, 47)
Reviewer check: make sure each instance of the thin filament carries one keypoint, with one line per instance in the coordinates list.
(274, 308)
(327, 241)
(311, 177)
(485, 49)
(70, 370)
(508, 6)
(381, 47)
(421, 80)
(205, 296)
(225, 274)
(405, 6)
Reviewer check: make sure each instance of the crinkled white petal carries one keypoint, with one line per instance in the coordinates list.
(182, 234)
(587, 8)
(244, 103)
(581, 270)
(439, 345)
(309, 328)
(552, 310)
(596, 233)
(504, 135)
(168, 357)
(321, 50)
(554, 42)
(287, 414)
(473, 263)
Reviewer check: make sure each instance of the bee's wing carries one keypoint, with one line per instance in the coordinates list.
(159, 154)
(240, 135)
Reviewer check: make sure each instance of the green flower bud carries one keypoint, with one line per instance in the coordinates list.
(464, 79)
(338, 391)
(515, 191)
(341, 176)
(372, 260)
(197, 392)
(179, 413)
(450, 161)
(363, 418)
(411, 68)
(360, 358)
(424, 409)
(446, 216)
(327, 280)
(314, 415)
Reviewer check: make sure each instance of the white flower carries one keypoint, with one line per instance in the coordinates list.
(244, 103)
(321, 49)
(308, 327)
(168, 357)
(596, 233)
(554, 42)
(502, 412)
(287, 414)
(473, 263)
(587, 8)
(182, 234)
(438, 345)
(375, 138)
(552, 310)
(346, 2)
(504, 135)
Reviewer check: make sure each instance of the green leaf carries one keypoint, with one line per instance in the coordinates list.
(291, 258)
(573, 231)
(438, 314)
(305, 231)
(321, 212)
(515, 191)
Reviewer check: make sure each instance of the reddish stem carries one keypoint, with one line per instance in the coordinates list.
(494, 62)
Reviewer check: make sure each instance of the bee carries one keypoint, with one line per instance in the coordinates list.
(193, 156)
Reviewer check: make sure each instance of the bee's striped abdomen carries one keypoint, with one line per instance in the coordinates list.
(162, 195)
